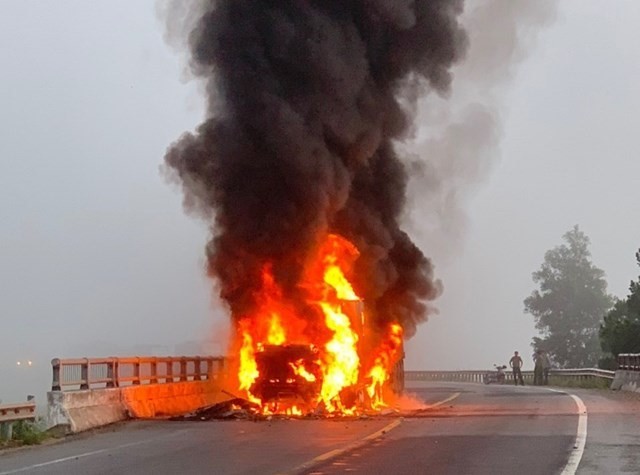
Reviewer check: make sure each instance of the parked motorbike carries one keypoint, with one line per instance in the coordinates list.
(498, 376)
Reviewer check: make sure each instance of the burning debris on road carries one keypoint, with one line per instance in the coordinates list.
(236, 408)
(295, 170)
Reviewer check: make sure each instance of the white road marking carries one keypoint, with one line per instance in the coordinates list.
(581, 436)
(83, 455)
(444, 401)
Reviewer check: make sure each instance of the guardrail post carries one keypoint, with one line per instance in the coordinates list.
(153, 370)
(6, 430)
(55, 365)
(84, 374)
(111, 376)
(183, 369)
(136, 371)
(197, 373)
(169, 370)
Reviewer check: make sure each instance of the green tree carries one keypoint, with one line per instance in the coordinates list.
(569, 304)
(620, 332)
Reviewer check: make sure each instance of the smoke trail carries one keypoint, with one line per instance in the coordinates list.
(457, 143)
(305, 101)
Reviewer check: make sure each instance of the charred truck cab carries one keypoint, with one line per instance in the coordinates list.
(290, 374)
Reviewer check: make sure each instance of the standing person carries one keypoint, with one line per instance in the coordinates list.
(516, 364)
(546, 366)
(537, 368)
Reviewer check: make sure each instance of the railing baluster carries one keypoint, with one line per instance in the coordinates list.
(136, 371)
(197, 370)
(111, 377)
(183, 369)
(168, 363)
(84, 374)
(153, 369)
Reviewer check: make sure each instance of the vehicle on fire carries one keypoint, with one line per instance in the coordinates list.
(291, 375)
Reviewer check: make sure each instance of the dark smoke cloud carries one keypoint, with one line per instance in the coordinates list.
(306, 99)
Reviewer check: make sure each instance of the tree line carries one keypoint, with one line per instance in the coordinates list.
(580, 325)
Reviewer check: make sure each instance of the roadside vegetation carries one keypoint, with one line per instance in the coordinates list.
(569, 303)
(620, 331)
(580, 325)
(26, 433)
(586, 383)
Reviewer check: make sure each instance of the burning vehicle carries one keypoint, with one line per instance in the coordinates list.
(289, 380)
(291, 377)
(288, 374)
(339, 366)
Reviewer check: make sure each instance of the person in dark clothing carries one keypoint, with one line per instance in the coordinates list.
(538, 369)
(546, 367)
(516, 364)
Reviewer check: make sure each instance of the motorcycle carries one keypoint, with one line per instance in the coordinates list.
(498, 376)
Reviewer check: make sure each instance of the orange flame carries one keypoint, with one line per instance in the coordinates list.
(386, 357)
(276, 334)
(300, 370)
(248, 372)
(337, 363)
(342, 361)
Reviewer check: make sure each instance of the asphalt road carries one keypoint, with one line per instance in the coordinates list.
(474, 429)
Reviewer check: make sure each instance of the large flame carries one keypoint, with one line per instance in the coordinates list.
(276, 323)
(387, 354)
(248, 372)
(341, 361)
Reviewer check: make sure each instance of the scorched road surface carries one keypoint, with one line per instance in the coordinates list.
(478, 430)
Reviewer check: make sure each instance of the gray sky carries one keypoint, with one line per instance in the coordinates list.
(97, 256)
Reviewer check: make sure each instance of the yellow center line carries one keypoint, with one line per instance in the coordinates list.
(337, 452)
(359, 443)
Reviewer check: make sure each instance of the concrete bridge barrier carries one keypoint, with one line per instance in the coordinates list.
(88, 393)
(77, 411)
(627, 376)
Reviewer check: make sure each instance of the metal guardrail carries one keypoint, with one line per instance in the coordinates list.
(10, 413)
(472, 376)
(95, 373)
(584, 373)
(17, 412)
(476, 376)
(465, 376)
(629, 361)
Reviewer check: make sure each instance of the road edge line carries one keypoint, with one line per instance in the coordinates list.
(575, 456)
(86, 454)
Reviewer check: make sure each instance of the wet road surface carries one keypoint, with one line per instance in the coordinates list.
(474, 429)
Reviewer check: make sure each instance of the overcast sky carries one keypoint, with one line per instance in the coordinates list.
(97, 256)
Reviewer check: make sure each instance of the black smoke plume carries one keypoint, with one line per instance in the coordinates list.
(305, 102)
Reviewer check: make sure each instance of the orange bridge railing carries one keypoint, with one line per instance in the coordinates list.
(95, 373)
